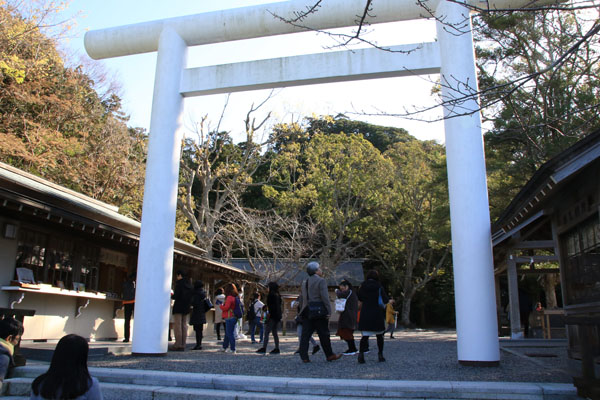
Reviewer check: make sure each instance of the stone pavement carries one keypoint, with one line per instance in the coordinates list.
(420, 364)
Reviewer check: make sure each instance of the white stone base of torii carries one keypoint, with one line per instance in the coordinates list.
(452, 56)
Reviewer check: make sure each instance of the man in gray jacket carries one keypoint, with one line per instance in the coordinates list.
(314, 289)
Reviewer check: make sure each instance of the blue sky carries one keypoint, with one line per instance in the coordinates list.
(136, 73)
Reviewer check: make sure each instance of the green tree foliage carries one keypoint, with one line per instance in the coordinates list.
(55, 125)
(541, 83)
(336, 180)
(409, 233)
(381, 137)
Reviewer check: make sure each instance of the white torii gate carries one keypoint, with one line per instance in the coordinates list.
(452, 56)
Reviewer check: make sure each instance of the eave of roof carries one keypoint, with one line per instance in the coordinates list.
(544, 182)
(43, 194)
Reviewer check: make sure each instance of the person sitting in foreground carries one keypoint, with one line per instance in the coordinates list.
(10, 334)
(68, 376)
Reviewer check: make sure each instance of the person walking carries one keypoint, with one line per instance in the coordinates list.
(253, 317)
(68, 376)
(128, 305)
(200, 305)
(299, 319)
(228, 309)
(275, 314)
(181, 308)
(390, 317)
(347, 320)
(372, 319)
(314, 293)
(219, 301)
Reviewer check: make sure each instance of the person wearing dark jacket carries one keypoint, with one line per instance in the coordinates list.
(275, 315)
(314, 289)
(10, 335)
(200, 306)
(347, 320)
(372, 314)
(181, 308)
(128, 304)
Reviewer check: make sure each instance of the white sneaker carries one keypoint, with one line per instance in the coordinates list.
(224, 350)
(230, 351)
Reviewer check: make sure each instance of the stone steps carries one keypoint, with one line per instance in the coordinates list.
(154, 385)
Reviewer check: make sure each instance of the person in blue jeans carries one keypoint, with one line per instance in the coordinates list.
(229, 317)
(254, 320)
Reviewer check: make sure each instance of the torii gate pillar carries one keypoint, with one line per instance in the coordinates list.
(474, 290)
(155, 256)
(477, 336)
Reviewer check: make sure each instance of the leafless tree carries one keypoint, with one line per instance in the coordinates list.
(215, 172)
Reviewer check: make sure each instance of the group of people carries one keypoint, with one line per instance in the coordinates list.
(362, 310)
(366, 310)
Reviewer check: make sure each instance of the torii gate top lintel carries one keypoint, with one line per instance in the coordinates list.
(260, 21)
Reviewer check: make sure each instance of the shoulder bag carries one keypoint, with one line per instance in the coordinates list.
(340, 304)
(316, 309)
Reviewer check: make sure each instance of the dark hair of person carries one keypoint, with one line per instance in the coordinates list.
(198, 284)
(346, 282)
(256, 296)
(219, 291)
(231, 290)
(373, 274)
(273, 287)
(10, 327)
(180, 272)
(68, 376)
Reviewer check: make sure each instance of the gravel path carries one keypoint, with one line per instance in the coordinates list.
(413, 355)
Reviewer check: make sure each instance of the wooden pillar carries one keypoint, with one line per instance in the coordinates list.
(498, 301)
(513, 294)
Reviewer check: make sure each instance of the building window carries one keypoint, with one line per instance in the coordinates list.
(582, 273)
(31, 252)
(58, 260)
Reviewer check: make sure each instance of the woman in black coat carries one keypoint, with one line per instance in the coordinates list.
(199, 308)
(347, 320)
(275, 315)
(372, 314)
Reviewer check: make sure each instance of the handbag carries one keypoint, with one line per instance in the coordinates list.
(316, 309)
(208, 304)
(340, 304)
(381, 303)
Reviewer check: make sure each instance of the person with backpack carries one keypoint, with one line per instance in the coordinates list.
(181, 308)
(253, 317)
(231, 311)
(275, 315)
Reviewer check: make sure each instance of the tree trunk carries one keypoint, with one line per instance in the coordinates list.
(405, 313)
(549, 282)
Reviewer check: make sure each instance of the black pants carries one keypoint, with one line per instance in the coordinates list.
(351, 345)
(271, 327)
(218, 329)
(128, 310)
(199, 330)
(320, 325)
(364, 343)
